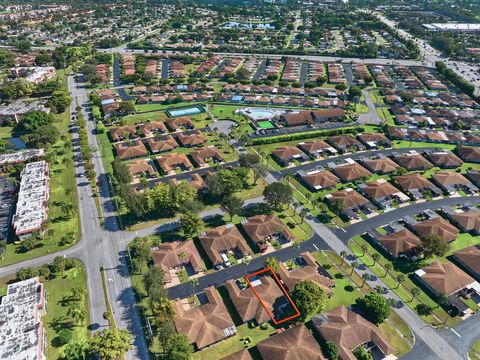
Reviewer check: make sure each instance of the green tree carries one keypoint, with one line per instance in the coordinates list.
(110, 344)
(26, 273)
(191, 224)
(75, 351)
(433, 245)
(309, 298)
(164, 311)
(78, 293)
(64, 336)
(361, 353)
(338, 207)
(177, 347)
(232, 205)
(58, 264)
(376, 307)
(277, 195)
(272, 263)
(248, 160)
(77, 313)
(354, 91)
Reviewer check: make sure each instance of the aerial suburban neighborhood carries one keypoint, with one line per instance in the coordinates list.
(240, 180)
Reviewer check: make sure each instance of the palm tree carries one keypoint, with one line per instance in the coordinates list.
(343, 254)
(415, 292)
(303, 213)
(246, 262)
(375, 258)
(354, 265)
(364, 249)
(295, 205)
(388, 266)
(365, 277)
(77, 313)
(401, 279)
(194, 282)
(78, 293)
(296, 247)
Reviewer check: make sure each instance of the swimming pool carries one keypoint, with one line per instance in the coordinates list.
(260, 114)
(265, 125)
(184, 111)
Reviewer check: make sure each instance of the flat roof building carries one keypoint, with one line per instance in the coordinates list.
(22, 335)
(31, 209)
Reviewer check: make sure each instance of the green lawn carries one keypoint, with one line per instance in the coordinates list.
(63, 190)
(401, 266)
(58, 292)
(474, 352)
(346, 294)
(5, 132)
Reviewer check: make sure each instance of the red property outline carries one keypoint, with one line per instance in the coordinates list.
(277, 280)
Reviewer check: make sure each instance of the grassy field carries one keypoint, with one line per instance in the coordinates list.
(437, 315)
(63, 190)
(58, 291)
(474, 352)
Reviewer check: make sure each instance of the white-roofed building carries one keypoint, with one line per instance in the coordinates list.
(22, 335)
(31, 209)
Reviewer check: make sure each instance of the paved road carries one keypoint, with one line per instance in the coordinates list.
(397, 214)
(358, 155)
(109, 249)
(371, 118)
(470, 72)
(238, 271)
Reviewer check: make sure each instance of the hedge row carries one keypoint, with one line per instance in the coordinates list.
(306, 135)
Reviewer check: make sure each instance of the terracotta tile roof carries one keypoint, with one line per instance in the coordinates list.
(413, 181)
(307, 272)
(151, 127)
(195, 139)
(222, 239)
(286, 152)
(201, 156)
(314, 145)
(348, 330)
(296, 119)
(373, 137)
(321, 180)
(445, 278)
(182, 121)
(296, 343)
(239, 355)
(172, 254)
(170, 161)
(469, 154)
(449, 178)
(246, 302)
(159, 144)
(401, 242)
(344, 142)
(118, 133)
(413, 161)
(207, 324)
(469, 220)
(437, 226)
(470, 257)
(132, 150)
(382, 165)
(141, 167)
(445, 159)
(350, 172)
(259, 227)
(396, 133)
(379, 189)
(328, 114)
(349, 197)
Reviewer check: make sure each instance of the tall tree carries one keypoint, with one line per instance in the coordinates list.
(232, 205)
(277, 195)
(191, 224)
(309, 298)
(177, 347)
(433, 245)
(110, 344)
(376, 307)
